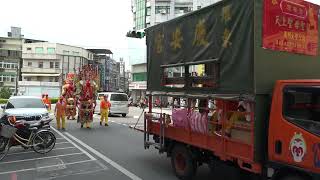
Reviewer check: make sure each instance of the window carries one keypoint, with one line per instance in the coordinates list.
(149, 11)
(51, 65)
(139, 76)
(40, 65)
(182, 10)
(192, 76)
(1, 78)
(7, 78)
(57, 65)
(301, 106)
(65, 52)
(174, 76)
(29, 64)
(13, 79)
(75, 53)
(162, 9)
(25, 103)
(29, 49)
(1, 64)
(27, 78)
(50, 50)
(39, 50)
(118, 97)
(56, 79)
(39, 78)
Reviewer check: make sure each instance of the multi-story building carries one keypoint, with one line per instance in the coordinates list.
(198, 4)
(147, 13)
(122, 76)
(138, 85)
(128, 78)
(112, 75)
(100, 59)
(45, 66)
(10, 58)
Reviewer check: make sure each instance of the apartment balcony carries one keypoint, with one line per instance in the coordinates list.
(9, 84)
(39, 56)
(38, 83)
(40, 70)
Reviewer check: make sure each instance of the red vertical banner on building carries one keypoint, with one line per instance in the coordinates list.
(291, 25)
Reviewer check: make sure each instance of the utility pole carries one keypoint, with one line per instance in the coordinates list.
(17, 78)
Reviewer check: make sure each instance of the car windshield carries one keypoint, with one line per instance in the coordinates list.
(25, 103)
(118, 97)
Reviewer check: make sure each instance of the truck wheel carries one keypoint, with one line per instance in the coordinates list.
(124, 115)
(182, 163)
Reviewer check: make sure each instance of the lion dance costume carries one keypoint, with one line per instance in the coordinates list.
(86, 92)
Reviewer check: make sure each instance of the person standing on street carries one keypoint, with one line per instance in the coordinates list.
(104, 110)
(47, 101)
(60, 113)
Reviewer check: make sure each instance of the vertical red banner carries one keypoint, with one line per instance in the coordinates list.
(291, 25)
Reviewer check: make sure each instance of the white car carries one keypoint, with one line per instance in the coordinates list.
(29, 108)
(119, 103)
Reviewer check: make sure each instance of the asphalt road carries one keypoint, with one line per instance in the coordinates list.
(113, 152)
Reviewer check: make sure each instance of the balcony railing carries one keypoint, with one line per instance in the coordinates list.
(38, 56)
(39, 83)
(39, 70)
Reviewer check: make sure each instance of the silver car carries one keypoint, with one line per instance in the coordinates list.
(119, 103)
(29, 108)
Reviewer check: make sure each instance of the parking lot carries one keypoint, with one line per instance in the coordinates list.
(67, 160)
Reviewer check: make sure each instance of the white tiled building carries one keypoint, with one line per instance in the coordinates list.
(10, 56)
(45, 66)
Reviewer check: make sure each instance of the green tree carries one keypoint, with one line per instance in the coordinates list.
(5, 93)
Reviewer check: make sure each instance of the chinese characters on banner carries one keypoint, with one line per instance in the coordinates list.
(291, 25)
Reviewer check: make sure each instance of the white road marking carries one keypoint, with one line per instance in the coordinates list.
(135, 117)
(48, 157)
(43, 167)
(26, 152)
(65, 142)
(80, 173)
(82, 150)
(106, 159)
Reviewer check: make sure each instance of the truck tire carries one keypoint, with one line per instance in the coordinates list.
(184, 166)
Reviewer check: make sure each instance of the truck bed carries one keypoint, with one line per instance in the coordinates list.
(221, 146)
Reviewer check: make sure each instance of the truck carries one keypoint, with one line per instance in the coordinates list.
(247, 72)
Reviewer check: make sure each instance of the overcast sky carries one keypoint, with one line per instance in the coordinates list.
(86, 23)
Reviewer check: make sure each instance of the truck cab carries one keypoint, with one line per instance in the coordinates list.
(294, 126)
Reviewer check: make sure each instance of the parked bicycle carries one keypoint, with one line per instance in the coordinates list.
(39, 138)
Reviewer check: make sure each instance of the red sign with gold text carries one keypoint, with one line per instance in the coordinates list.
(291, 25)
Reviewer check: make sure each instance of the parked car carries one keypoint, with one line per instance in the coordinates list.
(119, 103)
(29, 108)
